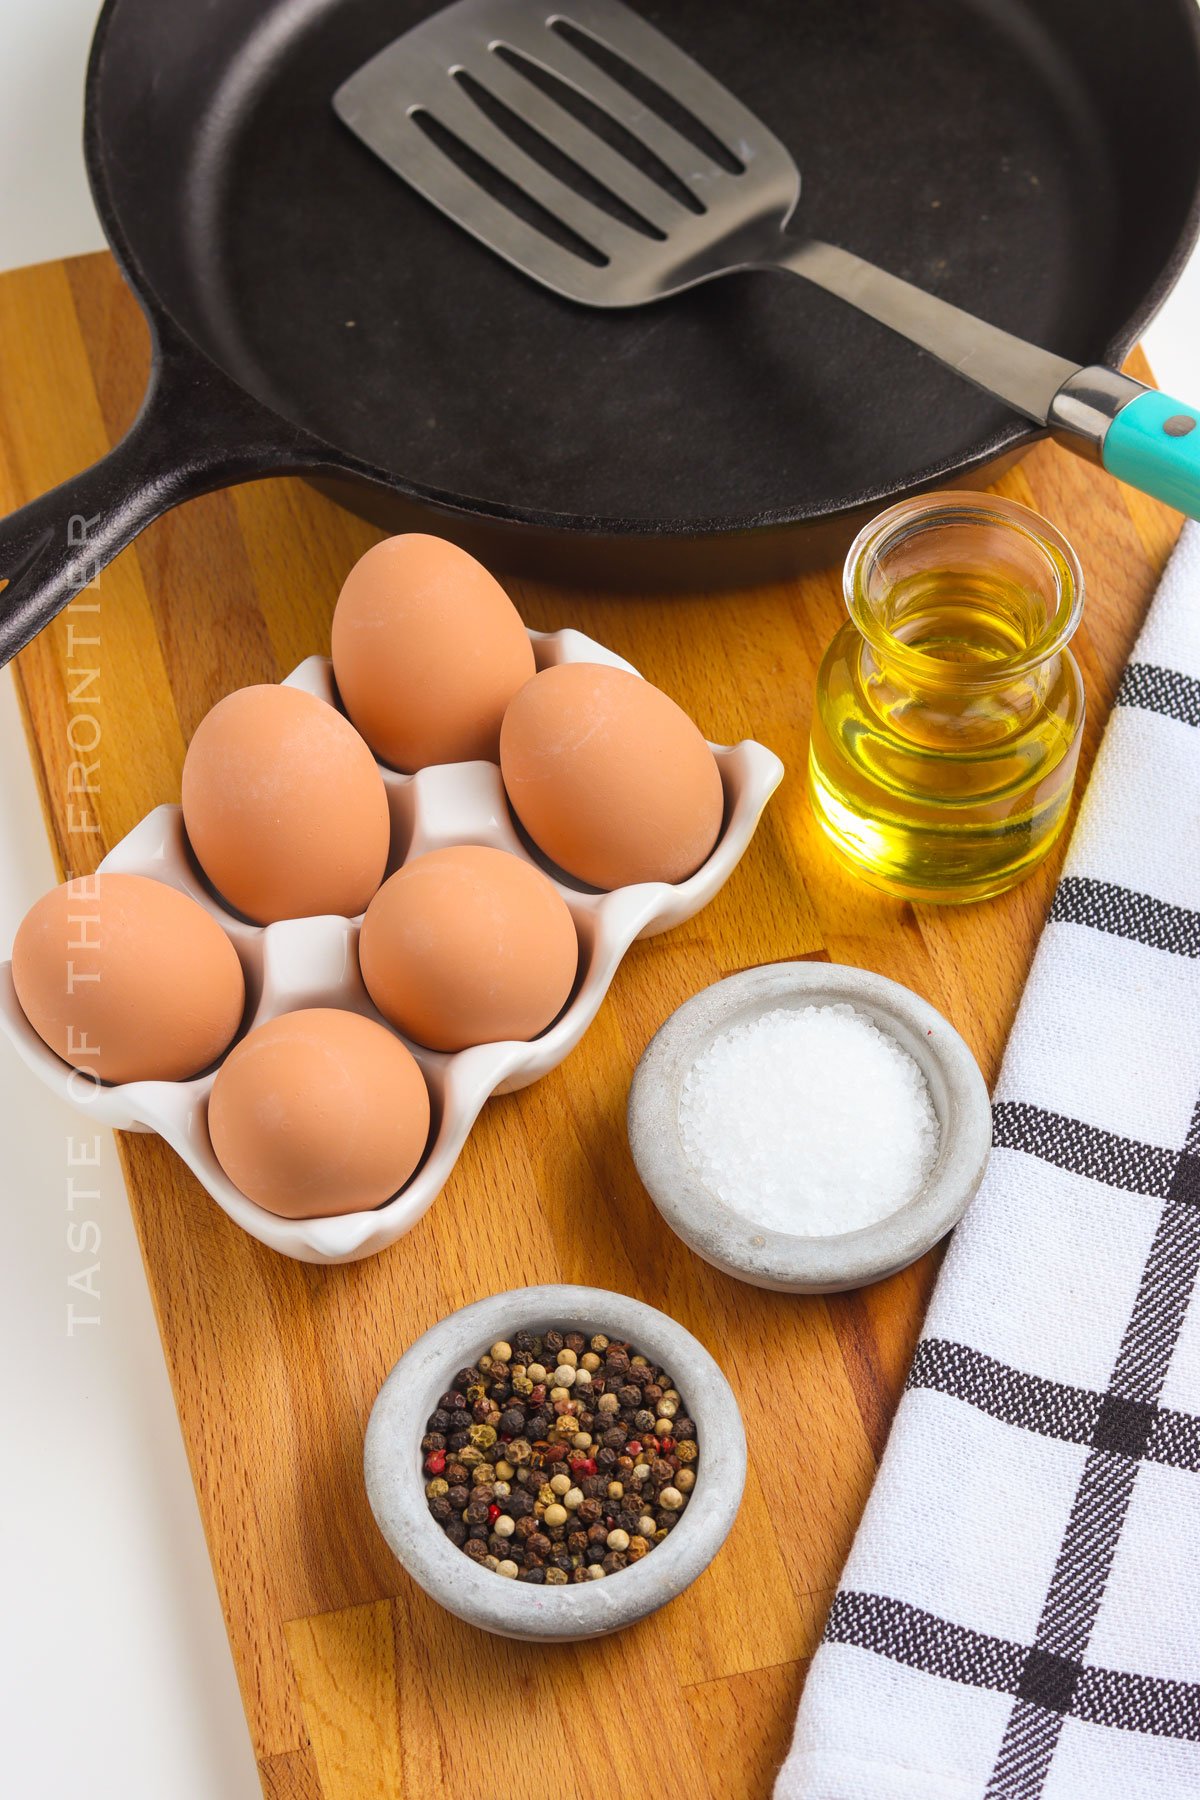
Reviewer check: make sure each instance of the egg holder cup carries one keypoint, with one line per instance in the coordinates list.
(307, 962)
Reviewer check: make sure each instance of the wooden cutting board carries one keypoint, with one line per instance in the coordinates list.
(355, 1685)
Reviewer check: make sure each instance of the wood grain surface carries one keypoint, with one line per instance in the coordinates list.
(355, 1684)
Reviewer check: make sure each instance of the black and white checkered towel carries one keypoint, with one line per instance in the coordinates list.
(1020, 1612)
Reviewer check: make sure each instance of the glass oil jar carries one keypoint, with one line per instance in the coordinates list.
(949, 709)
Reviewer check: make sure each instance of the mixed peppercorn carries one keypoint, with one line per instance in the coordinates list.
(559, 1458)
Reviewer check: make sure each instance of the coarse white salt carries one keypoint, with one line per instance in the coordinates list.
(809, 1120)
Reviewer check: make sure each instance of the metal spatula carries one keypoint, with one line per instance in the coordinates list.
(583, 146)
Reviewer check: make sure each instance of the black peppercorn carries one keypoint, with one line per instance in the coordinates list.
(514, 1442)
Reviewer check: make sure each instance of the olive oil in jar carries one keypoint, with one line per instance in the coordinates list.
(949, 710)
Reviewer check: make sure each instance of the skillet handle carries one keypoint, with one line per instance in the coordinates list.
(196, 431)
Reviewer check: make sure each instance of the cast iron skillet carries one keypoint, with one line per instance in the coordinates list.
(311, 314)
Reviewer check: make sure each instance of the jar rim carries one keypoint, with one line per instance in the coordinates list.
(926, 511)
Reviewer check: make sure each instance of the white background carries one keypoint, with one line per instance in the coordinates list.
(115, 1671)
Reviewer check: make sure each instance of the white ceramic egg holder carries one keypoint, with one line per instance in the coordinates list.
(314, 962)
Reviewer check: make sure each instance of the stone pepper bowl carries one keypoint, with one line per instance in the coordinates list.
(515, 1609)
(796, 1263)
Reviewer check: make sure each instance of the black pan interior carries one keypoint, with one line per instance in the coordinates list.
(994, 151)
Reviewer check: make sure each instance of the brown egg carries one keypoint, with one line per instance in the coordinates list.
(319, 1112)
(128, 979)
(428, 651)
(609, 777)
(284, 806)
(469, 946)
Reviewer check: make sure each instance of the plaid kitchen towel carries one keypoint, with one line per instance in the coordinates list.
(1020, 1612)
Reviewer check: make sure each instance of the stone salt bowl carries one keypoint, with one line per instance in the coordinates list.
(794, 1262)
(515, 1609)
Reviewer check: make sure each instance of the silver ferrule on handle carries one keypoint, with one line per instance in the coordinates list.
(1086, 405)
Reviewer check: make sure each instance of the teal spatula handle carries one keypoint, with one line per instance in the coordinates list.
(1154, 444)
